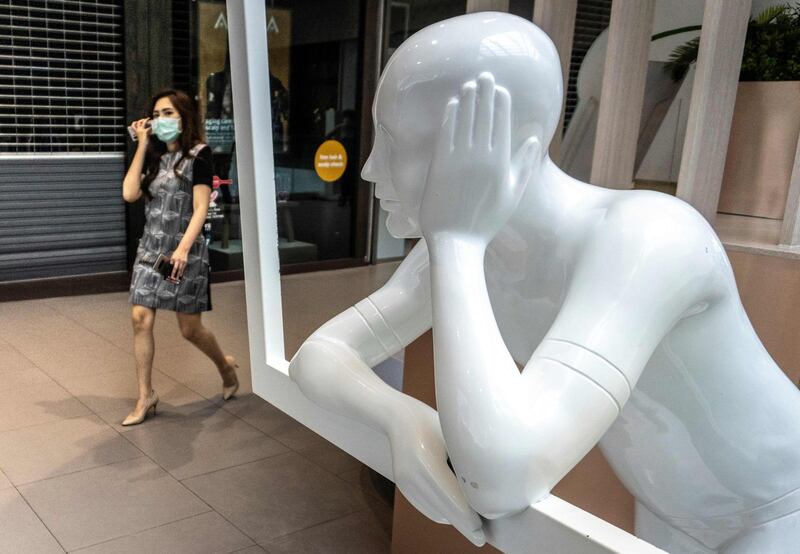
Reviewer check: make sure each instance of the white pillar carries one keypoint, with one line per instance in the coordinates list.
(622, 95)
(713, 98)
(790, 230)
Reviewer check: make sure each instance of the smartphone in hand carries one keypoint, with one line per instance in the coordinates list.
(132, 131)
(164, 266)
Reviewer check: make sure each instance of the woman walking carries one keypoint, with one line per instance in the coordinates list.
(172, 168)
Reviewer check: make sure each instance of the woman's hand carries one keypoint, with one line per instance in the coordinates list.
(473, 185)
(142, 129)
(179, 259)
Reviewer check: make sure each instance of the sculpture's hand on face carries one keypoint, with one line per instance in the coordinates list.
(419, 464)
(473, 185)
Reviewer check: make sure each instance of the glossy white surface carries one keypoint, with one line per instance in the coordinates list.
(620, 305)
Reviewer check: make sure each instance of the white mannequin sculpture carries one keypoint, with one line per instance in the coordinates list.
(621, 305)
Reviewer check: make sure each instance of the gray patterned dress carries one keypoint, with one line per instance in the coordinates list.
(167, 214)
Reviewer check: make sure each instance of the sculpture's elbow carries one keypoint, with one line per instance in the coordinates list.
(313, 369)
(301, 369)
(498, 487)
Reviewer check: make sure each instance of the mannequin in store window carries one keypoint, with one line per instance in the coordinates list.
(621, 307)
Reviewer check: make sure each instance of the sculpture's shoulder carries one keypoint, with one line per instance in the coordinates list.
(652, 209)
(663, 236)
(653, 219)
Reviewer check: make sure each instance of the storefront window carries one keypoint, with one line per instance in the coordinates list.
(314, 63)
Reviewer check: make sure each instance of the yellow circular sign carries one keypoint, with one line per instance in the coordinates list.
(330, 161)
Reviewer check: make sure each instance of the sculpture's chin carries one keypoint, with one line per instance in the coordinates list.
(402, 227)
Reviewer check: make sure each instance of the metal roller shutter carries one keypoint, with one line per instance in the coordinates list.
(62, 138)
(61, 216)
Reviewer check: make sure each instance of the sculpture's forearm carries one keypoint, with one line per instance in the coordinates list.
(333, 376)
(472, 360)
(333, 367)
(511, 436)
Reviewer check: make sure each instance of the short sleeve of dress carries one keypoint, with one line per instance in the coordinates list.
(203, 171)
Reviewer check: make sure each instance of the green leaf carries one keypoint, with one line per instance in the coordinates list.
(682, 58)
(770, 14)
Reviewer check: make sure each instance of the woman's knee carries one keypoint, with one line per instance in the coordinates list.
(142, 319)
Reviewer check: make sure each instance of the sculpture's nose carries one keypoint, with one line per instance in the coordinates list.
(368, 172)
(375, 168)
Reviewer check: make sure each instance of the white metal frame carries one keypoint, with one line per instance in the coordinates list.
(551, 525)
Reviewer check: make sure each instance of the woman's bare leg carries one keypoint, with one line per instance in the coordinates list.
(143, 349)
(192, 329)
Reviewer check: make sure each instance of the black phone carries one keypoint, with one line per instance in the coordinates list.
(164, 266)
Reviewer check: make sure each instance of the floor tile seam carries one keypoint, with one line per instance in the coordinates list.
(53, 377)
(21, 353)
(162, 468)
(301, 452)
(219, 408)
(87, 546)
(189, 416)
(65, 474)
(57, 420)
(52, 422)
(232, 524)
(358, 487)
(188, 489)
(87, 376)
(95, 333)
(35, 513)
(220, 514)
(198, 393)
(84, 404)
(238, 466)
(183, 417)
(69, 473)
(252, 425)
(234, 466)
(286, 536)
(256, 545)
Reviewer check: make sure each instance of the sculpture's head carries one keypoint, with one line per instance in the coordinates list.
(427, 71)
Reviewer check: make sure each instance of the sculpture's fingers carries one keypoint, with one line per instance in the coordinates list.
(447, 132)
(444, 494)
(484, 111)
(501, 132)
(465, 117)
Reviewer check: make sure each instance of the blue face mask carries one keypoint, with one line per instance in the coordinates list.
(167, 129)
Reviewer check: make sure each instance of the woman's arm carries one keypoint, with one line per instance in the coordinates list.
(200, 200)
(180, 257)
(201, 197)
(132, 184)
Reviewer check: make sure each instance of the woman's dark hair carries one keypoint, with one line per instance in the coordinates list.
(191, 133)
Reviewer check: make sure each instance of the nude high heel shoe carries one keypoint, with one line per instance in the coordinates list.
(229, 390)
(135, 418)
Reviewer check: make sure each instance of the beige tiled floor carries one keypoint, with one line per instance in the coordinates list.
(203, 475)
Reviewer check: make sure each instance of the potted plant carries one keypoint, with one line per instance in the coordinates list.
(766, 121)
